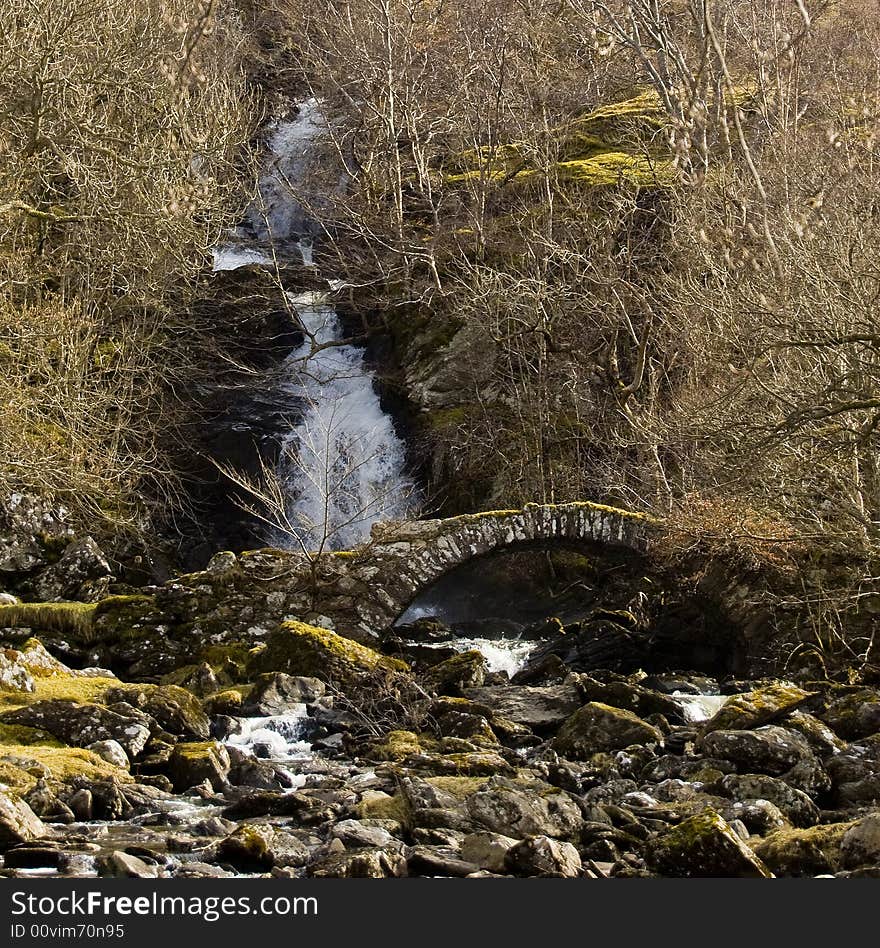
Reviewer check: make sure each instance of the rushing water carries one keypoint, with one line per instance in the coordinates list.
(342, 466)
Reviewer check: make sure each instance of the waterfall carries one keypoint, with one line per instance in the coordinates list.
(342, 466)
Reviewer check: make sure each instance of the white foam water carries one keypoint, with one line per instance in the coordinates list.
(698, 708)
(277, 737)
(502, 655)
(342, 465)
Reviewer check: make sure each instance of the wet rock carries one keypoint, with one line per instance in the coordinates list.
(457, 674)
(363, 864)
(757, 817)
(860, 845)
(192, 763)
(123, 865)
(43, 801)
(472, 727)
(226, 705)
(354, 833)
(248, 848)
(819, 736)
(18, 822)
(80, 803)
(308, 810)
(853, 713)
(30, 856)
(541, 709)
(487, 850)
(517, 811)
(751, 709)
(437, 861)
(174, 708)
(704, 846)
(803, 852)
(81, 724)
(770, 749)
(111, 751)
(542, 856)
(249, 771)
(277, 693)
(598, 727)
(797, 807)
(630, 697)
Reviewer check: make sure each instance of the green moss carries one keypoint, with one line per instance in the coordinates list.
(385, 808)
(19, 734)
(63, 763)
(399, 745)
(67, 618)
(301, 649)
(66, 687)
(460, 787)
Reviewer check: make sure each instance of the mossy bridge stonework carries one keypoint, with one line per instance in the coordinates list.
(363, 591)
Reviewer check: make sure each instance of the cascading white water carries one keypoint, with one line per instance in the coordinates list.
(342, 463)
(342, 466)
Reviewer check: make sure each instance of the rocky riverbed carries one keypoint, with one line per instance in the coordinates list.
(321, 757)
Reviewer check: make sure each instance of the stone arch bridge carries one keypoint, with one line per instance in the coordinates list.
(362, 592)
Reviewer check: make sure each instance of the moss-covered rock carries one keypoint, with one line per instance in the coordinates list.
(192, 763)
(753, 708)
(803, 852)
(598, 727)
(306, 650)
(224, 702)
(81, 724)
(458, 673)
(852, 712)
(525, 810)
(174, 708)
(704, 846)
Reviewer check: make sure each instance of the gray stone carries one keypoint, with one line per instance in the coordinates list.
(542, 856)
(860, 845)
(18, 822)
(111, 751)
(487, 850)
(598, 727)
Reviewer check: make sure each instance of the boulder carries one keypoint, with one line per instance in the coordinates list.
(81, 561)
(363, 864)
(598, 727)
(437, 862)
(542, 856)
(797, 807)
(111, 751)
(277, 693)
(751, 709)
(803, 852)
(457, 674)
(14, 675)
(860, 845)
(630, 697)
(192, 763)
(487, 850)
(853, 713)
(354, 833)
(770, 749)
(522, 811)
(304, 650)
(704, 846)
(542, 709)
(18, 822)
(122, 865)
(81, 724)
(174, 708)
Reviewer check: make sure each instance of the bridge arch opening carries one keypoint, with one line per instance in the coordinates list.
(615, 609)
